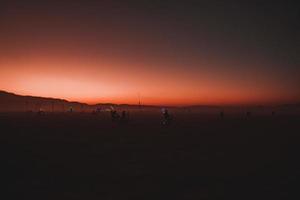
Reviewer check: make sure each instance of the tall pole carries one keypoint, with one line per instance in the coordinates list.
(139, 96)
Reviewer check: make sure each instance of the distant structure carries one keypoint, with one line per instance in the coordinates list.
(41, 112)
(97, 111)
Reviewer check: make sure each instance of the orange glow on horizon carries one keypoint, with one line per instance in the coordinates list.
(100, 81)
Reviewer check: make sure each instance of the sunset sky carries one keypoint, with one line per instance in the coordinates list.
(166, 52)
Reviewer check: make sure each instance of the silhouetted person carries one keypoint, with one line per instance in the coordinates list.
(114, 115)
(248, 114)
(124, 116)
(166, 117)
(222, 114)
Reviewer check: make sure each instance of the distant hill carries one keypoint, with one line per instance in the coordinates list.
(10, 102)
(13, 102)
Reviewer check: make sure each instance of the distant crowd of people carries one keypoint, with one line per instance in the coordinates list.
(116, 117)
(123, 116)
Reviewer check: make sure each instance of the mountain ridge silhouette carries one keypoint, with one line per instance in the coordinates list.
(14, 102)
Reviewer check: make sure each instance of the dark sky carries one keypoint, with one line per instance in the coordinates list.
(210, 51)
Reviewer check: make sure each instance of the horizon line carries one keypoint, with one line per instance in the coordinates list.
(152, 105)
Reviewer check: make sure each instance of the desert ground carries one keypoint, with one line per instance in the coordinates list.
(198, 156)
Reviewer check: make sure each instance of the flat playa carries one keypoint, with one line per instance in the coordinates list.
(199, 156)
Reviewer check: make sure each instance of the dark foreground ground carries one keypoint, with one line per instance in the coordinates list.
(84, 156)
